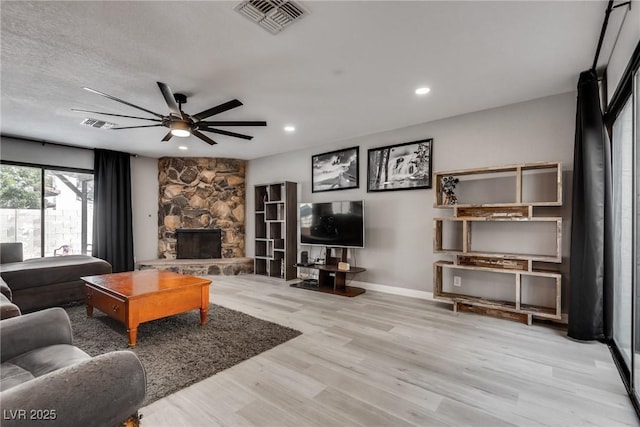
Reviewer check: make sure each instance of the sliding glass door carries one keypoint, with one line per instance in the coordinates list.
(21, 207)
(49, 210)
(624, 119)
(69, 213)
(623, 225)
(636, 218)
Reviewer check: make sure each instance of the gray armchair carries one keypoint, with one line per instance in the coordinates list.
(47, 381)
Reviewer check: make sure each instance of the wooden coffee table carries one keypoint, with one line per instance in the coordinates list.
(141, 296)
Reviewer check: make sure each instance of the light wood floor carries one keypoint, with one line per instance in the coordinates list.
(385, 360)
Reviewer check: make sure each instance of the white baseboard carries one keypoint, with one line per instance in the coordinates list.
(413, 293)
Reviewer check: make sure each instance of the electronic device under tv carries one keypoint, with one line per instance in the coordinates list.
(336, 224)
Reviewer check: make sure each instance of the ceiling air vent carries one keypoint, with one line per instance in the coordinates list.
(272, 15)
(95, 123)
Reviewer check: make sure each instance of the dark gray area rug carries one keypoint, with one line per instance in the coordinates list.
(177, 351)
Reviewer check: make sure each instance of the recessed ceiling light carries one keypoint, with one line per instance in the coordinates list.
(289, 128)
(422, 91)
(182, 147)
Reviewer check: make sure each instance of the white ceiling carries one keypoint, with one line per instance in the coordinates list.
(345, 70)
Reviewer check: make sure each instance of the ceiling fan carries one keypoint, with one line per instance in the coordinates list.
(180, 123)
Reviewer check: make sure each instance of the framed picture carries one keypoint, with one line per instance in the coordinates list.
(400, 167)
(336, 170)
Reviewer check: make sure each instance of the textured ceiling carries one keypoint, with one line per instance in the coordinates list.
(345, 70)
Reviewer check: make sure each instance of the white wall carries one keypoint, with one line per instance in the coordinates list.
(144, 198)
(399, 248)
(626, 43)
(24, 151)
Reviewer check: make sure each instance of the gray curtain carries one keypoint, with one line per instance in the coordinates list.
(591, 220)
(112, 218)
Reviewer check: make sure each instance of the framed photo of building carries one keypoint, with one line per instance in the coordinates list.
(336, 170)
(400, 167)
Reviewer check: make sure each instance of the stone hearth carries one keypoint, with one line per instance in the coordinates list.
(201, 267)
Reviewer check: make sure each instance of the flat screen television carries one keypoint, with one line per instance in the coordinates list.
(338, 224)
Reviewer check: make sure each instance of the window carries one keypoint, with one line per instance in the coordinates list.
(635, 329)
(623, 116)
(49, 210)
(623, 176)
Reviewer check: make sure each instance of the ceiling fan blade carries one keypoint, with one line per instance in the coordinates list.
(169, 99)
(217, 109)
(123, 102)
(136, 127)
(116, 115)
(167, 137)
(226, 132)
(234, 123)
(203, 137)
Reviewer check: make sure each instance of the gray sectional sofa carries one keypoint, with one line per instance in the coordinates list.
(46, 282)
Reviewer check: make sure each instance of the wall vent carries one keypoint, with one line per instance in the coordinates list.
(95, 123)
(272, 15)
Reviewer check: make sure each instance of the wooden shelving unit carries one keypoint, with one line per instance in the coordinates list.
(276, 214)
(467, 228)
(518, 174)
(532, 185)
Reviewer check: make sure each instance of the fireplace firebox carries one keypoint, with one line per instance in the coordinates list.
(198, 243)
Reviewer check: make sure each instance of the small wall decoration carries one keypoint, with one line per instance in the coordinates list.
(448, 184)
(336, 170)
(400, 167)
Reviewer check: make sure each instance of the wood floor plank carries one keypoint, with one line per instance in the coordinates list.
(375, 395)
(358, 411)
(387, 360)
(260, 412)
(298, 401)
(259, 370)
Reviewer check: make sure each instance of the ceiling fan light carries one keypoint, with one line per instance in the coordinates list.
(182, 133)
(180, 129)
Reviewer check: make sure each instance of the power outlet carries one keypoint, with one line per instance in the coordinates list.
(457, 281)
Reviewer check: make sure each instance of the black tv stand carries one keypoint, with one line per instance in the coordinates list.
(331, 279)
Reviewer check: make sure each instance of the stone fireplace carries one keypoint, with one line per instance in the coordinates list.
(205, 194)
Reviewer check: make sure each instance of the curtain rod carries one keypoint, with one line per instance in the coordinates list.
(45, 142)
(610, 8)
